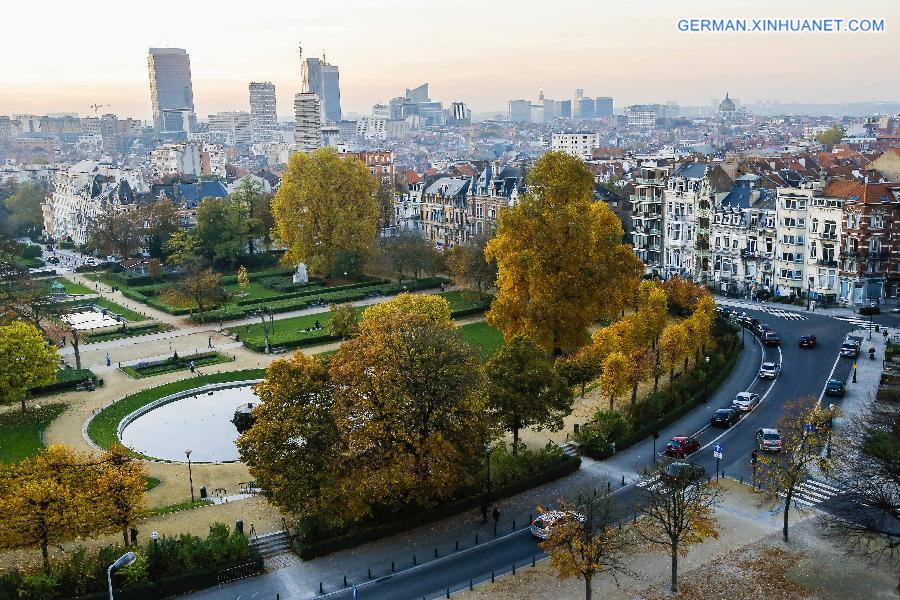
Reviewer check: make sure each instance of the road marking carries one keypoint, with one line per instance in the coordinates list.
(833, 367)
(810, 492)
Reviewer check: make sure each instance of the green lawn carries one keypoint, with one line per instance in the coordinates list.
(204, 359)
(72, 288)
(484, 337)
(288, 330)
(111, 306)
(102, 428)
(20, 434)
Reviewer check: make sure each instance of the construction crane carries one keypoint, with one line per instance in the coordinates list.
(97, 107)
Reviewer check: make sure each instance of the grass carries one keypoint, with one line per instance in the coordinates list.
(288, 330)
(252, 291)
(164, 510)
(151, 482)
(169, 365)
(20, 434)
(72, 288)
(102, 428)
(126, 333)
(483, 337)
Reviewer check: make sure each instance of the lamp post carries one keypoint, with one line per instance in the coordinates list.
(124, 560)
(190, 475)
(154, 535)
(871, 318)
(808, 293)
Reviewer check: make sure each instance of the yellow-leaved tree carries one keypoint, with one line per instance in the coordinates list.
(614, 379)
(561, 261)
(326, 212)
(26, 361)
(120, 488)
(673, 346)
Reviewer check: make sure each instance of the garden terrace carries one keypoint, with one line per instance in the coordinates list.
(173, 364)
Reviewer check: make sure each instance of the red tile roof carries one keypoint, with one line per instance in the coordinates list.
(864, 193)
(412, 177)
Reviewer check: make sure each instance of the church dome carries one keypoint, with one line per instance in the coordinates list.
(727, 105)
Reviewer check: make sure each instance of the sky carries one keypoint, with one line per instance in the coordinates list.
(65, 55)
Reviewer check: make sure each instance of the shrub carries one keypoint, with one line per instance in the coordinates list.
(869, 310)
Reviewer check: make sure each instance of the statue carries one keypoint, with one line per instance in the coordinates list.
(300, 275)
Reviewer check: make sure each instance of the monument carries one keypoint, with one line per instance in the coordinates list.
(300, 275)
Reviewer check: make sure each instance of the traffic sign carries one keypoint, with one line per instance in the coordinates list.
(718, 448)
(717, 454)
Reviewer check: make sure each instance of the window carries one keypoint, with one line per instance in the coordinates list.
(717, 241)
(812, 250)
(830, 231)
(815, 225)
(876, 221)
(734, 243)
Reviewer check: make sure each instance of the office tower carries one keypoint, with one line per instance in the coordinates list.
(563, 109)
(382, 111)
(419, 94)
(550, 110)
(579, 93)
(459, 114)
(323, 80)
(603, 107)
(263, 117)
(520, 111)
(307, 121)
(236, 124)
(170, 85)
(583, 108)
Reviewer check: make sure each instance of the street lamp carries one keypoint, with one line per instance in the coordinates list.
(154, 535)
(124, 560)
(190, 475)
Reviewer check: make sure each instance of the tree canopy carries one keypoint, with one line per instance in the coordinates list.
(26, 361)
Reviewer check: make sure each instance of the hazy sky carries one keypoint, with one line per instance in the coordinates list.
(65, 55)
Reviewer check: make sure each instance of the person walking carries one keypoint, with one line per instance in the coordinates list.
(108, 361)
(192, 366)
(496, 515)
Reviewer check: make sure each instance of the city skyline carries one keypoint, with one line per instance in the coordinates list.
(634, 54)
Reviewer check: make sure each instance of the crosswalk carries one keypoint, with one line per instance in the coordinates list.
(856, 321)
(812, 492)
(789, 315)
(650, 483)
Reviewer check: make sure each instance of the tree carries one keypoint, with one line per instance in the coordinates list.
(26, 361)
(243, 277)
(613, 382)
(805, 429)
(589, 540)
(24, 207)
(291, 446)
(524, 390)
(677, 516)
(120, 487)
(183, 249)
(256, 207)
(222, 228)
(115, 232)
(561, 262)
(830, 137)
(160, 221)
(325, 209)
(469, 268)
(580, 368)
(640, 365)
(199, 288)
(433, 308)
(672, 345)
(342, 322)
(407, 437)
(410, 254)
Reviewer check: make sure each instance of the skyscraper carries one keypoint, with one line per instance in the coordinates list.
(307, 121)
(603, 106)
(419, 94)
(323, 80)
(263, 117)
(170, 84)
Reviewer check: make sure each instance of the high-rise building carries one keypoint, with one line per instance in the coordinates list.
(307, 121)
(419, 94)
(520, 111)
(236, 124)
(583, 107)
(459, 114)
(323, 80)
(563, 109)
(603, 107)
(263, 117)
(170, 84)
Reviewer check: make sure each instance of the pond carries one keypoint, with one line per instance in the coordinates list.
(199, 420)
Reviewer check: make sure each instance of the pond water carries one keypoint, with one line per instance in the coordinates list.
(201, 423)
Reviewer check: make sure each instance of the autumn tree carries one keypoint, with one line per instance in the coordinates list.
(410, 255)
(184, 250)
(115, 232)
(830, 137)
(434, 309)
(805, 430)
(154, 269)
(222, 229)
(683, 295)
(676, 516)
(640, 367)
(26, 361)
(469, 268)
(342, 322)
(291, 446)
(524, 390)
(120, 488)
(613, 381)
(24, 208)
(589, 540)
(243, 277)
(201, 289)
(326, 213)
(579, 368)
(672, 347)
(407, 404)
(561, 261)
(160, 222)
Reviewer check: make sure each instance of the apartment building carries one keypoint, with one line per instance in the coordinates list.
(823, 246)
(380, 164)
(176, 159)
(647, 217)
(791, 214)
(580, 145)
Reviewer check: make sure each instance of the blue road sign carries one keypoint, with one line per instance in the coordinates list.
(717, 448)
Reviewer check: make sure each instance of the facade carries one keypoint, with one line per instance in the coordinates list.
(643, 116)
(647, 218)
(176, 159)
(603, 107)
(579, 145)
(263, 115)
(213, 159)
(520, 111)
(237, 124)
(380, 164)
(170, 85)
(307, 121)
(823, 245)
(791, 209)
(323, 79)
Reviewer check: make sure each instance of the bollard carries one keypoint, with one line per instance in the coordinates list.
(532, 560)
(392, 566)
(345, 581)
(623, 481)
(476, 539)
(321, 590)
(492, 576)
(370, 572)
(514, 525)
(514, 568)
(608, 485)
(742, 480)
(471, 587)
(448, 592)
(457, 545)
(414, 560)
(435, 553)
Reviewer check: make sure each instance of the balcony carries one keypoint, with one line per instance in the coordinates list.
(649, 181)
(746, 253)
(828, 235)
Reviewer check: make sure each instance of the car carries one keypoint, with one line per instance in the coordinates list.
(681, 445)
(543, 524)
(745, 401)
(770, 338)
(807, 341)
(768, 439)
(761, 328)
(682, 473)
(725, 417)
(835, 388)
(850, 347)
(53, 260)
(769, 370)
(895, 310)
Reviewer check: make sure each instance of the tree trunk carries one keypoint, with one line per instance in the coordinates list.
(583, 384)
(610, 403)
(787, 507)
(76, 349)
(674, 568)
(45, 555)
(671, 375)
(634, 389)
(125, 534)
(656, 382)
(515, 449)
(587, 587)
(23, 401)
(685, 364)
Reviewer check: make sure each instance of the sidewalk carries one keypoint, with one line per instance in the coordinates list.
(757, 305)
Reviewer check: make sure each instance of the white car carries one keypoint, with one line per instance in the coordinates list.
(745, 401)
(541, 526)
(769, 370)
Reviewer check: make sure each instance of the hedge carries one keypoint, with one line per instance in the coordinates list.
(133, 331)
(171, 364)
(308, 550)
(66, 380)
(312, 292)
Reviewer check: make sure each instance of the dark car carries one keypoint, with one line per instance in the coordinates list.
(807, 341)
(770, 338)
(681, 445)
(682, 473)
(835, 388)
(725, 417)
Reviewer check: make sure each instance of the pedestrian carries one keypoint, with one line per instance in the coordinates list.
(209, 342)
(883, 331)
(134, 536)
(108, 361)
(496, 515)
(442, 287)
(192, 366)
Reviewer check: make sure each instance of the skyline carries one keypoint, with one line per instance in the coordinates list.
(634, 54)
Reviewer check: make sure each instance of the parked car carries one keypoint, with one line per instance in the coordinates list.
(725, 417)
(768, 439)
(807, 341)
(53, 260)
(762, 328)
(681, 445)
(835, 388)
(543, 524)
(769, 370)
(771, 339)
(745, 401)
(682, 473)
(850, 347)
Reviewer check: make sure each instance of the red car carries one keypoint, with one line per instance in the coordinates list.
(681, 446)
(770, 338)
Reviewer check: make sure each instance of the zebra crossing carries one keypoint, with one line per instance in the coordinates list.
(812, 492)
(790, 315)
(650, 483)
(857, 322)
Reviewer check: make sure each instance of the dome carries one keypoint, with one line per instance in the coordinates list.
(727, 105)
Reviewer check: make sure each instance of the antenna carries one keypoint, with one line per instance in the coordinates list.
(97, 107)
